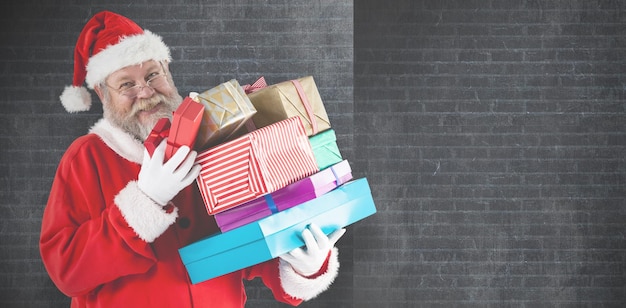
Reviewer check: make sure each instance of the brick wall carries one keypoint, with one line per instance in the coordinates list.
(492, 134)
(211, 42)
(494, 137)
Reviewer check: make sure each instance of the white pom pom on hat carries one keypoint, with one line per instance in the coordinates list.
(76, 99)
(107, 43)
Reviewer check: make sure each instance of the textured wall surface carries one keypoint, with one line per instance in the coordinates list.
(211, 42)
(494, 137)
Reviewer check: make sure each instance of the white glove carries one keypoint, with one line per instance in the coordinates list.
(162, 182)
(308, 262)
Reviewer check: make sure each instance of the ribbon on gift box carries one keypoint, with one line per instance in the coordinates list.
(251, 88)
(270, 203)
(306, 104)
(257, 85)
(160, 131)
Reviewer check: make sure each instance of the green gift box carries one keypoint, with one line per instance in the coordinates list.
(325, 149)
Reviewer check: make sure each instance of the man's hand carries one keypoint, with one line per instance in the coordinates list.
(162, 182)
(309, 261)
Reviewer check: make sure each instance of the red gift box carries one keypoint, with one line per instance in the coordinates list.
(160, 131)
(257, 163)
(185, 124)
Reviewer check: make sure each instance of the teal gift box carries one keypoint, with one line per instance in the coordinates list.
(325, 149)
(277, 234)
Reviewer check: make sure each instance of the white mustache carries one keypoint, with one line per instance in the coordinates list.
(146, 104)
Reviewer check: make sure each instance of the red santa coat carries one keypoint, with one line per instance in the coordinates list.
(105, 244)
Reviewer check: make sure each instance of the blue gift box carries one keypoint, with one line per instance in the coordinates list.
(277, 234)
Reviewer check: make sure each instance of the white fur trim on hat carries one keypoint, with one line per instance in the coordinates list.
(131, 50)
(305, 288)
(75, 99)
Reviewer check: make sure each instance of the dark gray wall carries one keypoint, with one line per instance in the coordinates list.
(494, 136)
(492, 133)
(211, 42)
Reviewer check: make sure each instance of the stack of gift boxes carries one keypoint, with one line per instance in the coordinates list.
(270, 167)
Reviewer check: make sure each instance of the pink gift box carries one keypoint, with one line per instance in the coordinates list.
(260, 162)
(297, 193)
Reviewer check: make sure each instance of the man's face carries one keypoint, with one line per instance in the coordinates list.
(135, 105)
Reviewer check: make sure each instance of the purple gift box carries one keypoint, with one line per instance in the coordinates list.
(297, 193)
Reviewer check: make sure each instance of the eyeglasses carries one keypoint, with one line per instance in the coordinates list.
(131, 90)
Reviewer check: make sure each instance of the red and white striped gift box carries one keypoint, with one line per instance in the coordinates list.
(260, 162)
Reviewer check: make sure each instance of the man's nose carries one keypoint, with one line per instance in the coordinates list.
(146, 91)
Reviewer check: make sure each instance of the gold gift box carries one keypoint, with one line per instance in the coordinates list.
(226, 109)
(282, 101)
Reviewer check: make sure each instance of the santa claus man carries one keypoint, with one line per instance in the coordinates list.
(116, 217)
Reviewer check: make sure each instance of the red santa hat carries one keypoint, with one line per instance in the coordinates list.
(108, 43)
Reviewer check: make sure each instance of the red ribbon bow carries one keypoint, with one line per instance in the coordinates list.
(160, 131)
(257, 85)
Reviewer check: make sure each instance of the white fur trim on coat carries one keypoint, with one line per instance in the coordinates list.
(131, 50)
(124, 144)
(148, 219)
(304, 288)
